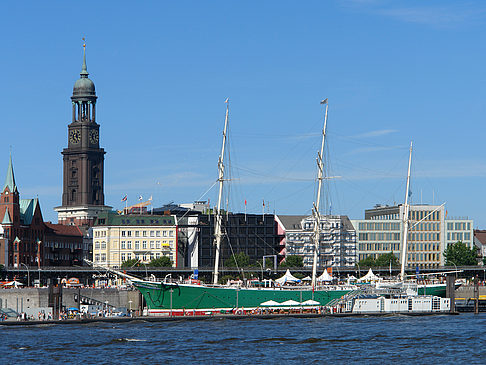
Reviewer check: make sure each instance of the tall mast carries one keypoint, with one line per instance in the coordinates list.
(217, 234)
(406, 209)
(315, 210)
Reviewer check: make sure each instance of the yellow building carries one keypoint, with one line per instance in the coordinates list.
(118, 238)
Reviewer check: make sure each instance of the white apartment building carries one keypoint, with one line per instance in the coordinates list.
(337, 243)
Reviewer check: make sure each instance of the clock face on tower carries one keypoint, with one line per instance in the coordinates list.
(93, 136)
(74, 136)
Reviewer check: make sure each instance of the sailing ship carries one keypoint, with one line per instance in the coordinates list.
(169, 298)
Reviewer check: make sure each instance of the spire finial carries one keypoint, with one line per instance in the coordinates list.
(10, 179)
(84, 69)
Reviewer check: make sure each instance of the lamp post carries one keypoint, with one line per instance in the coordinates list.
(359, 270)
(28, 273)
(453, 263)
(261, 268)
(38, 260)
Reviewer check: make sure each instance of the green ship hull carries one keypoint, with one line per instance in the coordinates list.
(164, 298)
(432, 289)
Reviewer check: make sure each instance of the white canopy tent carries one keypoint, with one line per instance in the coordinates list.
(14, 284)
(287, 278)
(325, 277)
(370, 276)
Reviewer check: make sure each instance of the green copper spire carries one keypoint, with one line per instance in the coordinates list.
(10, 180)
(84, 70)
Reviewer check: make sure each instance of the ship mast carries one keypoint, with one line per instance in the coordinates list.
(315, 210)
(406, 209)
(217, 234)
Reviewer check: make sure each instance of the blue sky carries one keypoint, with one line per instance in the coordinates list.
(394, 71)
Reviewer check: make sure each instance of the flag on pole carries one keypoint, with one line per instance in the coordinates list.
(324, 101)
(150, 199)
(124, 199)
(140, 198)
(245, 201)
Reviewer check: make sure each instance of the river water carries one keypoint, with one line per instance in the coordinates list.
(440, 339)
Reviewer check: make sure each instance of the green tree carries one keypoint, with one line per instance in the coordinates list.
(293, 261)
(385, 259)
(131, 263)
(240, 258)
(367, 262)
(460, 255)
(163, 261)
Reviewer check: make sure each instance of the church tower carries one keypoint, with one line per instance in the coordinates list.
(83, 196)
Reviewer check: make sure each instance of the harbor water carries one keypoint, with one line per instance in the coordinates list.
(390, 339)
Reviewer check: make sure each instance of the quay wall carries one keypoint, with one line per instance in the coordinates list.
(114, 297)
(467, 291)
(22, 299)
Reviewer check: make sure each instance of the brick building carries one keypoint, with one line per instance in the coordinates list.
(24, 237)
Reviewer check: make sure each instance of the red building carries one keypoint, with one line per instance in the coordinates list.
(22, 224)
(23, 232)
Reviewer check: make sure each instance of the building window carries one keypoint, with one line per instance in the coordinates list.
(137, 245)
(144, 233)
(123, 257)
(103, 257)
(123, 245)
(129, 256)
(144, 245)
(157, 233)
(97, 245)
(129, 245)
(123, 233)
(103, 245)
(137, 234)
(152, 245)
(157, 244)
(129, 233)
(152, 233)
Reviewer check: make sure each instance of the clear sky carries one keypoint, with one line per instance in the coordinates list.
(394, 71)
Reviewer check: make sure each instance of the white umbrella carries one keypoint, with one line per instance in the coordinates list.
(290, 303)
(310, 302)
(270, 303)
